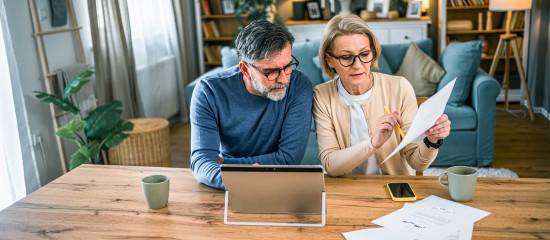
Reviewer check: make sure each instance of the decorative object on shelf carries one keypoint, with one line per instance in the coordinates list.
(507, 41)
(484, 45)
(393, 14)
(400, 6)
(102, 129)
(458, 25)
(250, 10)
(227, 6)
(413, 10)
(298, 10)
(489, 22)
(313, 10)
(480, 21)
(381, 7)
(425, 7)
(367, 15)
(345, 7)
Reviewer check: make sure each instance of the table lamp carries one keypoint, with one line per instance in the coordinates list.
(507, 41)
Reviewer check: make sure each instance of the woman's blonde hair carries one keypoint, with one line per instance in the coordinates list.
(341, 25)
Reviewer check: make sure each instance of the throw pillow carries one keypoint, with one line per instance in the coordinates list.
(318, 66)
(383, 65)
(460, 60)
(421, 70)
(229, 57)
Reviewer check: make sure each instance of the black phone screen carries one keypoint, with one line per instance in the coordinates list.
(401, 190)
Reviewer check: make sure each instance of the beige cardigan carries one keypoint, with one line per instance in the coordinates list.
(333, 118)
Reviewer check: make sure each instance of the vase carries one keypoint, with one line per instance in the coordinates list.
(401, 8)
(345, 7)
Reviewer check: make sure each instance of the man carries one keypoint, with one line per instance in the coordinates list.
(258, 112)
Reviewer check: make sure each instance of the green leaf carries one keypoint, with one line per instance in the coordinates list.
(77, 159)
(90, 150)
(71, 128)
(103, 119)
(63, 104)
(76, 84)
(117, 135)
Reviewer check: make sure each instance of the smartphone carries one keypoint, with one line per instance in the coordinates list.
(401, 192)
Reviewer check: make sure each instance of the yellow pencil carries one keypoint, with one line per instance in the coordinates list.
(396, 124)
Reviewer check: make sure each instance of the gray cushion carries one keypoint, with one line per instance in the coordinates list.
(421, 71)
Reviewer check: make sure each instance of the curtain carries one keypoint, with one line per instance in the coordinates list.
(18, 171)
(538, 72)
(116, 77)
(184, 12)
(156, 54)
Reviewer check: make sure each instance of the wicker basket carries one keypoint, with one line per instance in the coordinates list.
(147, 145)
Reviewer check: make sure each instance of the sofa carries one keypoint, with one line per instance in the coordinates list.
(471, 141)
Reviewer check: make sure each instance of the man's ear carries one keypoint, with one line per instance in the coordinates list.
(244, 69)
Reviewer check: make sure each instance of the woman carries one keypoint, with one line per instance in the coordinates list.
(354, 133)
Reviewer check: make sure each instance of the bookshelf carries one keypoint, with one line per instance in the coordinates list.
(215, 29)
(451, 10)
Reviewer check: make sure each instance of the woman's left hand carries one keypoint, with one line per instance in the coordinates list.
(440, 130)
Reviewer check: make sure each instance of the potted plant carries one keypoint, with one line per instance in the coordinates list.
(249, 10)
(102, 129)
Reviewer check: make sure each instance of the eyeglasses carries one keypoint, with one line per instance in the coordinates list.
(348, 60)
(273, 74)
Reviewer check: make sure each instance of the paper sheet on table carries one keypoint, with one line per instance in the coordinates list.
(385, 233)
(431, 218)
(426, 116)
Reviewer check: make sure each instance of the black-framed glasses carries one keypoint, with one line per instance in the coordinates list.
(273, 74)
(348, 60)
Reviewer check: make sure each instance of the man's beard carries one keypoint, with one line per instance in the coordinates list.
(267, 91)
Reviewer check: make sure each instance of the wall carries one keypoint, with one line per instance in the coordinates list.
(60, 49)
(538, 72)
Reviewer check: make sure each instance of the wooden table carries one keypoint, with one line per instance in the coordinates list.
(100, 202)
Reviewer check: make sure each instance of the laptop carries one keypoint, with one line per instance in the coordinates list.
(276, 189)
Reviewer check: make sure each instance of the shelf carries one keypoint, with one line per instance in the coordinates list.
(456, 32)
(302, 22)
(219, 16)
(468, 8)
(218, 39)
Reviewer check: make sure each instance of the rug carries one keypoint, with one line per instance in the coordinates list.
(481, 172)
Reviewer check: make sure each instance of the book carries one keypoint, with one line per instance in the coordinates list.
(216, 7)
(214, 27)
(205, 6)
(207, 32)
(209, 54)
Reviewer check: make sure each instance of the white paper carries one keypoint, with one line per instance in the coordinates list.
(367, 234)
(385, 233)
(431, 218)
(425, 118)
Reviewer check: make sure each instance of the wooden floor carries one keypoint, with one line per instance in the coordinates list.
(521, 145)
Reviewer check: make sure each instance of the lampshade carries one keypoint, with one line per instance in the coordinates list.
(505, 5)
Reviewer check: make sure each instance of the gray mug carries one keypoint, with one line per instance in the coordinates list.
(156, 190)
(461, 182)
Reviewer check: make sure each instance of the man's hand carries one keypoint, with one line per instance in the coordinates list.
(220, 160)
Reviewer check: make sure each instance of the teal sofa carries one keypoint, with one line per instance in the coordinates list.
(471, 142)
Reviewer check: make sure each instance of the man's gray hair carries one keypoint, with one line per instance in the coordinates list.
(260, 40)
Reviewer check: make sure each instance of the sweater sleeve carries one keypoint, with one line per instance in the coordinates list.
(295, 129)
(205, 138)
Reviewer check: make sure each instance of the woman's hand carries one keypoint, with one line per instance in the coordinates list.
(384, 128)
(440, 130)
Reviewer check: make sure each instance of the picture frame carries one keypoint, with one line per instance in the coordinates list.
(381, 7)
(227, 7)
(414, 9)
(313, 10)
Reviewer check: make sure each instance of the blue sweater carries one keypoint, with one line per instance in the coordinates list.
(228, 121)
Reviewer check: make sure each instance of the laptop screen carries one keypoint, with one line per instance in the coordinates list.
(295, 189)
